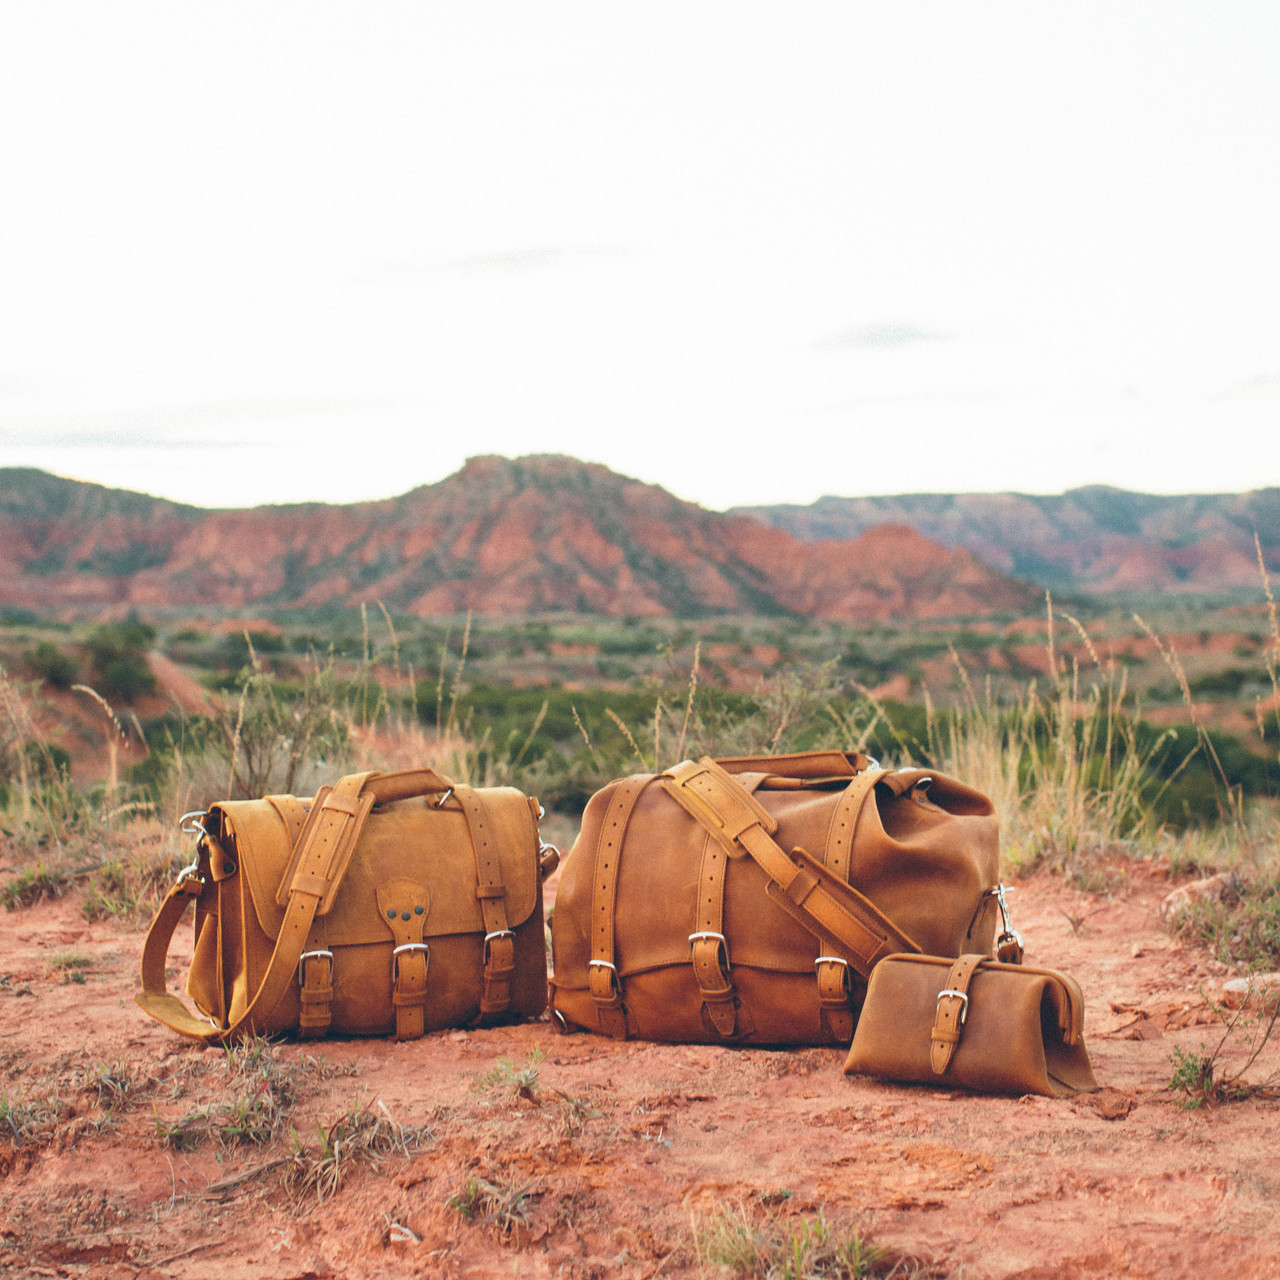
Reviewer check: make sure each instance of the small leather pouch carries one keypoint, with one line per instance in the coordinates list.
(973, 1022)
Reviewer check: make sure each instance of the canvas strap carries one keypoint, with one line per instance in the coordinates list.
(848, 923)
(321, 856)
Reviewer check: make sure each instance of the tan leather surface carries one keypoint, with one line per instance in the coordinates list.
(466, 868)
(1022, 1031)
(924, 858)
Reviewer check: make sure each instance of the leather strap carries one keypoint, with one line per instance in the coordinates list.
(838, 856)
(952, 1011)
(323, 852)
(403, 905)
(834, 996)
(846, 921)
(708, 948)
(315, 980)
(499, 941)
(602, 972)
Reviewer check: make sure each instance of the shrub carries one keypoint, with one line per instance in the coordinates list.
(51, 664)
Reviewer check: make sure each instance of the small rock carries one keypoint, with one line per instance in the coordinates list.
(1259, 989)
(1210, 889)
(1137, 950)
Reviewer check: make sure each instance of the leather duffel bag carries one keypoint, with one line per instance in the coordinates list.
(747, 900)
(391, 903)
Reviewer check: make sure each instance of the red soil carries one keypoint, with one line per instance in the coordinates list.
(1124, 1183)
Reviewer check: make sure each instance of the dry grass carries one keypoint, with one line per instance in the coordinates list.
(745, 1242)
(361, 1136)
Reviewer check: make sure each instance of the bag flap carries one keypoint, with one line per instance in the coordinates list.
(404, 839)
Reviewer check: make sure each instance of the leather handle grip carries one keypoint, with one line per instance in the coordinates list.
(405, 783)
(802, 764)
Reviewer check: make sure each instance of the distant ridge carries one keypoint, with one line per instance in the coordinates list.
(1095, 539)
(500, 536)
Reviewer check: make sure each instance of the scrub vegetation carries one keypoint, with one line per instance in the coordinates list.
(1101, 739)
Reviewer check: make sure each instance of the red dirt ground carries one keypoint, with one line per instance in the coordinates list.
(1124, 1183)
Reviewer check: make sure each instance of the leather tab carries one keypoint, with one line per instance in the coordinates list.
(834, 996)
(403, 905)
(952, 1010)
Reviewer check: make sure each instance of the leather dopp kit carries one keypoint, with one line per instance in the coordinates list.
(390, 903)
(974, 1022)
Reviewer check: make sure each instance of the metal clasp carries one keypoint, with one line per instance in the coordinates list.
(715, 937)
(307, 955)
(191, 872)
(1009, 936)
(489, 937)
(189, 824)
(959, 995)
(406, 946)
(444, 799)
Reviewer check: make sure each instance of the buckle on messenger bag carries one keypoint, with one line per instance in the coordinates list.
(407, 946)
(319, 954)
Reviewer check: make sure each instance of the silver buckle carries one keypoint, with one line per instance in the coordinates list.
(406, 946)
(488, 937)
(307, 955)
(842, 962)
(718, 937)
(444, 799)
(961, 996)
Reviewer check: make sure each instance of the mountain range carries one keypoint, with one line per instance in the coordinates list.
(1096, 540)
(501, 536)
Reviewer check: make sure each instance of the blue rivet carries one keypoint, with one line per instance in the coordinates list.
(391, 915)
(417, 911)
(405, 916)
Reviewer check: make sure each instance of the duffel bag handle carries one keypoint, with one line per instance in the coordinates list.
(406, 783)
(802, 764)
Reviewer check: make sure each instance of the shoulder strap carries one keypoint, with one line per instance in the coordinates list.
(322, 855)
(833, 910)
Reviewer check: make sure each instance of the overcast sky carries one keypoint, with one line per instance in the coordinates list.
(279, 252)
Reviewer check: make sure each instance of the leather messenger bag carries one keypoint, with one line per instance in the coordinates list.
(391, 903)
(747, 900)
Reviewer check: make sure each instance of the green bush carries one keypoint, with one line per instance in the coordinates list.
(118, 655)
(51, 664)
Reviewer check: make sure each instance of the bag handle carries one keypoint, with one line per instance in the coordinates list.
(405, 784)
(801, 764)
(322, 855)
(828, 907)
